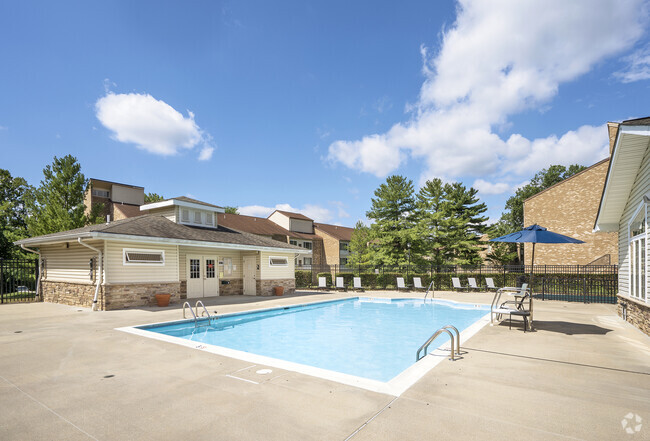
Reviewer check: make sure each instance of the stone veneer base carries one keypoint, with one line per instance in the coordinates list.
(265, 287)
(638, 314)
(109, 296)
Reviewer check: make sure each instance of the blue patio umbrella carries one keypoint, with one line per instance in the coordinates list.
(535, 234)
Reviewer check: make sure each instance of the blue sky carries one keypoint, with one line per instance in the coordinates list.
(308, 106)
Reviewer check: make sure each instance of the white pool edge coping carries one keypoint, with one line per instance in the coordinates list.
(395, 387)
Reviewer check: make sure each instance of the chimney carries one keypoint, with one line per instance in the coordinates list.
(612, 128)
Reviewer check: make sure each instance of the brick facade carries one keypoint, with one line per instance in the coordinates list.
(637, 313)
(265, 287)
(570, 208)
(331, 247)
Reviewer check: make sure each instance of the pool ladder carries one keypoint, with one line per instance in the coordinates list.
(429, 288)
(435, 335)
(195, 313)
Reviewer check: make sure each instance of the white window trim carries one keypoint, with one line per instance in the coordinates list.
(286, 259)
(137, 250)
(642, 206)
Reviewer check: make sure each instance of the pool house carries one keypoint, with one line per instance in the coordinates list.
(176, 247)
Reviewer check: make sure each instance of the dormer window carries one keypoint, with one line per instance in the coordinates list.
(197, 217)
(185, 215)
(209, 219)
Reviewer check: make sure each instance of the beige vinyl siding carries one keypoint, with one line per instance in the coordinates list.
(235, 255)
(71, 264)
(641, 187)
(169, 212)
(268, 272)
(117, 272)
(281, 220)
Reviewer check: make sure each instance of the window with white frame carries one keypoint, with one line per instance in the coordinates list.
(198, 217)
(306, 261)
(185, 215)
(307, 245)
(143, 257)
(278, 261)
(637, 233)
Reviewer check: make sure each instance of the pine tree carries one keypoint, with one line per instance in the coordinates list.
(360, 246)
(435, 222)
(466, 210)
(393, 210)
(58, 203)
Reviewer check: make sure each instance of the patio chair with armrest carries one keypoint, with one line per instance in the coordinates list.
(357, 284)
(471, 284)
(322, 283)
(401, 285)
(517, 308)
(417, 283)
(489, 283)
(455, 281)
(340, 284)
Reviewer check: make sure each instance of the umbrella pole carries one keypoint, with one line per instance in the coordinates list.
(530, 300)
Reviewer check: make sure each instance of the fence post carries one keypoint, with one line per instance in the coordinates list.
(2, 282)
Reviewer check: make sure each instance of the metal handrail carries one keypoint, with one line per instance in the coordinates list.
(205, 311)
(430, 287)
(426, 344)
(457, 337)
(190, 308)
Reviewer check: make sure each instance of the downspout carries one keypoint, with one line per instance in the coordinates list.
(99, 270)
(40, 269)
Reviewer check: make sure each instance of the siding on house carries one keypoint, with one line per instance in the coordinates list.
(170, 212)
(268, 272)
(71, 264)
(220, 253)
(118, 272)
(281, 220)
(301, 226)
(639, 189)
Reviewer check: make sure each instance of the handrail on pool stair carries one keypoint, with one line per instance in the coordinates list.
(426, 344)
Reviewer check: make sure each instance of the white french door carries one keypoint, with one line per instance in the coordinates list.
(202, 280)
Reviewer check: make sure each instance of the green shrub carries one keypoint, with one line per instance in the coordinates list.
(303, 279)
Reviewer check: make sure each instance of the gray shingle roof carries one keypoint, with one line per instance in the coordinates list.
(156, 226)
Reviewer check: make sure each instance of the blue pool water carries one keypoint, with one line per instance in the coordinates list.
(370, 338)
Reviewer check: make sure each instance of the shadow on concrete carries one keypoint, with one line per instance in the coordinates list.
(568, 328)
(550, 360)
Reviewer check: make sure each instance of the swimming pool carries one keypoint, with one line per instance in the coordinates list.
(364, 338)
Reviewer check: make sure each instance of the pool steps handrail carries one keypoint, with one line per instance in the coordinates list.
(195, 312)
(435, 335)
(430, 287)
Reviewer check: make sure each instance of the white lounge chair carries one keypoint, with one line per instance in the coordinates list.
(489, 283)
(417, 283)
(357, 284)
(400, 284)
(340, 284)
(455, 281)
(471, 283)
(322, 283)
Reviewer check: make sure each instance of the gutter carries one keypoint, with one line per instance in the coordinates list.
(99, 270)
(40, 268)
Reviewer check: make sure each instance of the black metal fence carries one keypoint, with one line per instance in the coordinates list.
(581, 283)
(18, 280)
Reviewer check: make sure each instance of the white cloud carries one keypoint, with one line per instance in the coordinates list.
(4, 128)
(206, 153)
(486, 188)
(151, 124)
(315, 212)
(498, 59)
(638, 67)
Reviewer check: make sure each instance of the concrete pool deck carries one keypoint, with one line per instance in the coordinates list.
(68, 374)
